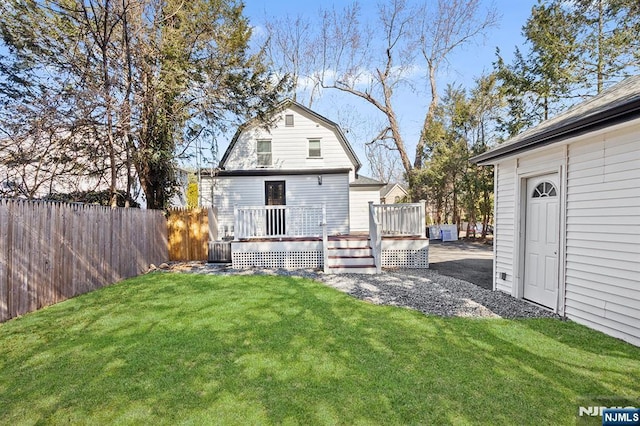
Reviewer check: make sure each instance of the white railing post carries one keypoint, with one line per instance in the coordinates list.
(236, 223)
(325, 240)
(375, 235)
(423, 218)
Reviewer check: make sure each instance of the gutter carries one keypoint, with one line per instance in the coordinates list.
(596, 121)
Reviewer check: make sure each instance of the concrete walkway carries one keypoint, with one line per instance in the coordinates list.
(468, 261)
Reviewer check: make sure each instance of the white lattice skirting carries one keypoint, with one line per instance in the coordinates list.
(405, 258)
(308, 254)
(278, 259)
(405, 253)
(277, 254)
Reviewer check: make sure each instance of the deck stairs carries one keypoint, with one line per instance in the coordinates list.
(350, 255)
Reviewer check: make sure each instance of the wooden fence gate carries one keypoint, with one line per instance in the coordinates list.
(190, 231)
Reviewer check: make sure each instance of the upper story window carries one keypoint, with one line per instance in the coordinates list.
(288, 120)
(544, 189)
(264, 153)
(314, 148)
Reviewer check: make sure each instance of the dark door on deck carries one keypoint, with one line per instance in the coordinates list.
(274, 195)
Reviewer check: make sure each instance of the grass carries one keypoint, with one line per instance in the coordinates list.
(193, 349)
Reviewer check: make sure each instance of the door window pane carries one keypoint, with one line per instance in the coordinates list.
(544, 189)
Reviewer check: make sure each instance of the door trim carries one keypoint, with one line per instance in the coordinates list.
(266, 191)
(541, 242)
(520, 240)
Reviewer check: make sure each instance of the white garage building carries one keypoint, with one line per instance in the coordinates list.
(567, 212)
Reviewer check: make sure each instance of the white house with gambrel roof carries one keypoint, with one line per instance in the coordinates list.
(567, 212)
(301, 159)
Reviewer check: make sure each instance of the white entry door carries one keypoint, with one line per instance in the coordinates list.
(541, 240)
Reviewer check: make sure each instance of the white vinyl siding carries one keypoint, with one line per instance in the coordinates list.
(504, 229)
(359, 198)
(300, 190)
(603, 233)
(290, 145)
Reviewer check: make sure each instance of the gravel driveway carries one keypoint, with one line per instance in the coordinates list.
(424, 290)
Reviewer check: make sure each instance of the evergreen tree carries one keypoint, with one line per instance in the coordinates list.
(607, 36)
(574, 49)
(535, 85)
(138, 78)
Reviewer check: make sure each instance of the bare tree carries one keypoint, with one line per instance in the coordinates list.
(442, 30)
(410, 40)
(384, 163)
(291, 45)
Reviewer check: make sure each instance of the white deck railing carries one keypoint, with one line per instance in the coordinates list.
(278, 221)
(401, 219)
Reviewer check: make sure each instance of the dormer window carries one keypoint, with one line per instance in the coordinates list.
(288, 120)
(264, 153)
(314, 148)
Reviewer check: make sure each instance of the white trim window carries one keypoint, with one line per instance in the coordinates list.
(315, 148)
(263, 148)
(288, 120)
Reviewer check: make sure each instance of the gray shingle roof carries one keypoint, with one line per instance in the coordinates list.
(617, 104)
(366, 181)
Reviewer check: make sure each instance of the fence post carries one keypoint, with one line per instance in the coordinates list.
(423, 219)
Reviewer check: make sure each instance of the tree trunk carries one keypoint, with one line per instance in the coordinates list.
(419, 159)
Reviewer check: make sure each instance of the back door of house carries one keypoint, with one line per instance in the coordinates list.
(274, 195)
(541, 240)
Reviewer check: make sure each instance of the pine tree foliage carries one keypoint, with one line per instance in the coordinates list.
(462, 128)
(574, 49)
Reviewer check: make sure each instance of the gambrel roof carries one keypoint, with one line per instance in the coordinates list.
(291, 104)
(615, 105)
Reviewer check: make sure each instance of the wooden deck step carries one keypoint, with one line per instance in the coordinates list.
(353, 269)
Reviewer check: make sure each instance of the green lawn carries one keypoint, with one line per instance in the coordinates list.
(169, 348)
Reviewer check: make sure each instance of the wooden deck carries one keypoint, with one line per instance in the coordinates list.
(350, 237)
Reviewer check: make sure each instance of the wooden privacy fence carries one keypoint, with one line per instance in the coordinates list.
(50, 251)
(190, 233)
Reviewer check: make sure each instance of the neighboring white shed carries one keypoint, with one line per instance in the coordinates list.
(567, 212)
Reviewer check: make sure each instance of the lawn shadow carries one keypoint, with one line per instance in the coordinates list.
(237, 349)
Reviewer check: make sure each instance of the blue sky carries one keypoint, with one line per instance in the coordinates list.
(465, 66)
(358, 119)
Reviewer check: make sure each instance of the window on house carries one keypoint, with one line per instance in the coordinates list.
(544, 189)
(314, 148)
(288, 120)
(264, 153)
